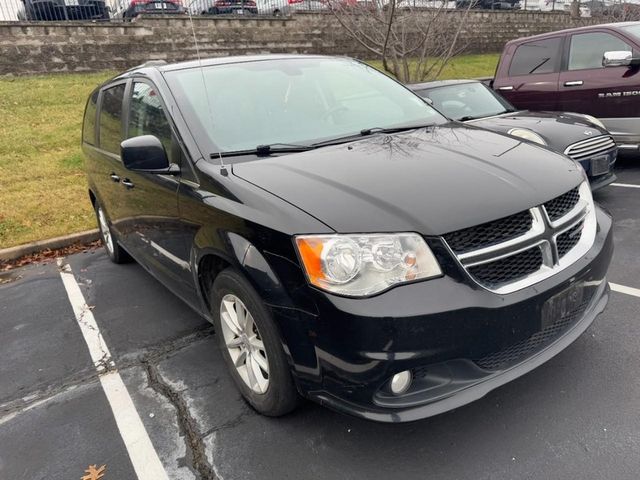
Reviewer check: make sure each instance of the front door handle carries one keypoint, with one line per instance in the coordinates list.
(508, 87)
(127, 183)
(114, 177)
(573, 83)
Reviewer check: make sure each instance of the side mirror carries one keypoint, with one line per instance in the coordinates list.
(620, 58)
(146, 154)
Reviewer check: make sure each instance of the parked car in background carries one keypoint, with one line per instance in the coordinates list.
(581, 137)
(489, 4)
(231, 7)
(152, 7)
(286, 7)
(350, 244)
(593, 70)
(58, 10)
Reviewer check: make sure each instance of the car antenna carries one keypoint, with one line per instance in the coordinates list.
(223, 168)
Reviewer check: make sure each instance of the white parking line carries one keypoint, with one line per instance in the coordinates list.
(626, 185)
(144, 458)
(624, 289)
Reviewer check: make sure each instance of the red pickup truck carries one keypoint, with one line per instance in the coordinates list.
(593, 70)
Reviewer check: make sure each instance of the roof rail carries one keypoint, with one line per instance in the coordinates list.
(149, 63)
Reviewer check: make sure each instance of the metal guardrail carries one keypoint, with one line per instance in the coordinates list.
(128, 10)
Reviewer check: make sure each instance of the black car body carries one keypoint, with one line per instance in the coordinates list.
(573, 134)
(152, 7)
(58, 10)
(475, 263)
(232, 7)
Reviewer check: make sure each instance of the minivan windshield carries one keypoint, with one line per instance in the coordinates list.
(300, 101)
(466, 101)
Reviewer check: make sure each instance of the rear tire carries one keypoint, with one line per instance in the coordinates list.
(115, 252)
(251, 345)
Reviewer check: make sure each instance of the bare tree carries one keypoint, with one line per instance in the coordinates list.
(414, 43)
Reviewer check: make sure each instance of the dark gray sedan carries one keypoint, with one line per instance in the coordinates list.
(581, 137)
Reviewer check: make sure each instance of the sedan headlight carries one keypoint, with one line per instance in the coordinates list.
(527, 135)
(359, 265)
(595, 121)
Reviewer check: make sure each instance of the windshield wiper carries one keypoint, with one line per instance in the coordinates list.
(478, 117)
(264, 150)
(370, 131)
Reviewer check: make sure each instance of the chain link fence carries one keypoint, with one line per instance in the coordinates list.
(128, 10)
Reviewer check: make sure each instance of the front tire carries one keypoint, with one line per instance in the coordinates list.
(251, 345)
(115, 252)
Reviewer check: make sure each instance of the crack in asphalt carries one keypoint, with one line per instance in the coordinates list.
(187, 423)
(155, 353)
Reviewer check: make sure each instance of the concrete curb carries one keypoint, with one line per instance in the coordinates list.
(51, 244)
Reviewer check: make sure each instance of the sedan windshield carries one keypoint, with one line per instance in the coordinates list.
(301, 101)
(466, 101)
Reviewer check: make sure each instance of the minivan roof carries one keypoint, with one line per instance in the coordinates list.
(612, 26)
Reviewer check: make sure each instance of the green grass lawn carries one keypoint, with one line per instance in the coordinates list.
(464, 66)
(43, 190)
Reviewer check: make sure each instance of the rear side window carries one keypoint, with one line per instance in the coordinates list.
(587, 49)
(89, 125)
(111, 119)
(540, 56)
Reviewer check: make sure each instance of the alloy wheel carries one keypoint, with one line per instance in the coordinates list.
(244, 343)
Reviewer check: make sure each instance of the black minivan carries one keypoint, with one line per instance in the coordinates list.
(349, 243)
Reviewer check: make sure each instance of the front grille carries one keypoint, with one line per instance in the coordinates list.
(590, 147)
(560, 206)
(489, 233)
(514, 252)
(569, 239)
(517, 352)
(509, 269)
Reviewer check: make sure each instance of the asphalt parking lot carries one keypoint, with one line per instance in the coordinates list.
(576, 417)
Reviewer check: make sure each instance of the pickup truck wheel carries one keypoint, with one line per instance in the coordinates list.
(251, 345)
(115, 252)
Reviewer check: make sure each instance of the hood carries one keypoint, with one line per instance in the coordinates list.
(431, 181)
(558, 129)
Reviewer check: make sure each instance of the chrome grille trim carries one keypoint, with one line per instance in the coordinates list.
(543, 234)
(590, 147)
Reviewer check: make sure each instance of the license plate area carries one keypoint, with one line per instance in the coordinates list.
(600, 165)
(563, 305)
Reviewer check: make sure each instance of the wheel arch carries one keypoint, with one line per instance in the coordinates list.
(238, 252)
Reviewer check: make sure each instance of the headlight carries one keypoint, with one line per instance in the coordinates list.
(527, 135)
(595, 121)
(360, 265)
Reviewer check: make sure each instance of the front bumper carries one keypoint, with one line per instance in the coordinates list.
(599, 180)
(441, 330)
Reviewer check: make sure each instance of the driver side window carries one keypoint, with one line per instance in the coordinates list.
(587, 49)
(147, 117)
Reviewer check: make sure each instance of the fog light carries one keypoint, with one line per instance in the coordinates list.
(400, 382)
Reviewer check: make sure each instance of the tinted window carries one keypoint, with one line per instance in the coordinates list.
(587, 49)
(540, 56)
(147, 117)
(111, 119)
(89, 125)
